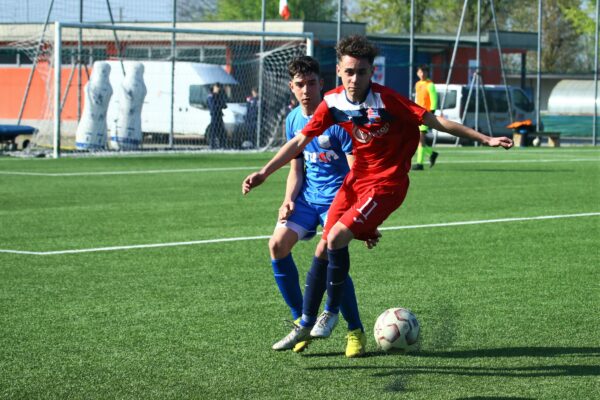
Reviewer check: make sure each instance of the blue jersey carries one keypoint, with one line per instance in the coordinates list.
(325, 163)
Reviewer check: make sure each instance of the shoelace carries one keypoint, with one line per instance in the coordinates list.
(324, 320)
(353, 337)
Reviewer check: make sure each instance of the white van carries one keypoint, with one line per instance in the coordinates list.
(495, 96)
(192, 85)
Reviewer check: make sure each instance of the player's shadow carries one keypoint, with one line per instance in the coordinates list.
(514, 352)
(555, 370)
(516, 170)
(481, 353)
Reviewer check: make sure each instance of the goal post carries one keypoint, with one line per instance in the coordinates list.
(175, 113)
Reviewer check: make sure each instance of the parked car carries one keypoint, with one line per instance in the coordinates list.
(497, 105)
(193, 82)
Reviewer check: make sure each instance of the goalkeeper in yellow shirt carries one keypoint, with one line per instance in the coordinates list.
(426, 97)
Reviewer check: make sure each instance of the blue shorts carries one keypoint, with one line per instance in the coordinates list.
(305, 218)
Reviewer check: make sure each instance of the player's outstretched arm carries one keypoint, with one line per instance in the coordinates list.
(286, 153)
(456, 129)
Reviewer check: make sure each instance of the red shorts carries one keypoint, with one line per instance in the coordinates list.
(363, 211)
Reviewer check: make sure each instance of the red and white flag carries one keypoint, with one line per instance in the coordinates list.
(284, 11)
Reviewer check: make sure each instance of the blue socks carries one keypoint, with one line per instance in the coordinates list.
(317, 281)
(314, 291)
(313, 295)
(337, 272)
(349, 306)
(286, 276)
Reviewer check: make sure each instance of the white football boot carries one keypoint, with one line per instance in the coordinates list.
(325, 324)
(297, 335)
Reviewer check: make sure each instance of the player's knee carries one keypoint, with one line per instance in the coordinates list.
(338, 237)
(321, 250)
(278, 248)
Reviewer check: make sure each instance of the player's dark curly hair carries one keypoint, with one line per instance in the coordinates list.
(303, 65)
(424, 68)
(356, 46)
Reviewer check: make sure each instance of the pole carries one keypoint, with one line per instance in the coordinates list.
(411, 57)
(539, 68)
(510, 110)
(57, 67)
(339, 34)
(260, 75)
(79, 61)
(477, 67)
(34, 64)
(595, 124)
(451, 68)
(173, 56)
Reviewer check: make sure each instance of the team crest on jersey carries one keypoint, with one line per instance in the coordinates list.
(361, 136)
(373, 115)
(324, 141)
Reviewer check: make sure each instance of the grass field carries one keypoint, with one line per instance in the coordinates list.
(114, 283)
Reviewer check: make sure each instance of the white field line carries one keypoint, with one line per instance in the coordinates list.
(246, 238)
(187, 170)
(133, 172)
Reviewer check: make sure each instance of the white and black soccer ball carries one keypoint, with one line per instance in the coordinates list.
(397, 329)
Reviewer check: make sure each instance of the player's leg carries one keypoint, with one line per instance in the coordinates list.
(303, 223)
(422, 150)
(360, 221)
(337, 237)
(284, 268)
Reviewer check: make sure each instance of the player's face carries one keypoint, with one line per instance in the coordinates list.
(421, 74)
(307, 90)
(356, 76)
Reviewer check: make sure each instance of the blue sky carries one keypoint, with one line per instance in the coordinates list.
(94, 10)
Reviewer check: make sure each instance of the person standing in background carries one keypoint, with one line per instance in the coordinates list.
(216, 104)
(425, 96)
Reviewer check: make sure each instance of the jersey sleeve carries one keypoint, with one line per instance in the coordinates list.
(433, 97)
(289, 129)
(345, 140)
(320, 121)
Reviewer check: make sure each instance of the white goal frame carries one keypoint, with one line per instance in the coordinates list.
(57, 59)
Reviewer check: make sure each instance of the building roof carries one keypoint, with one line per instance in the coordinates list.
(509, 41)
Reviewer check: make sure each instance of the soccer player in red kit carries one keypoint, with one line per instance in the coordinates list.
(385, 134)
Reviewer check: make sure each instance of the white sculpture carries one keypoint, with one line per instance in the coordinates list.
(127, 134)
(91, 131)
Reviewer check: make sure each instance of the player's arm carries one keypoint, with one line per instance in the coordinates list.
(293, 185)
(285, 154)
(456, 129)
(433, 97)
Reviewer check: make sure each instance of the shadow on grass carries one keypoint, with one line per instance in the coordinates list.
(514, 352)
(509, 372)
(481, 353)
(532, 170)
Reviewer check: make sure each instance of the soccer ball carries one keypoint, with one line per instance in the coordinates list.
(536, 141)
(397, 329)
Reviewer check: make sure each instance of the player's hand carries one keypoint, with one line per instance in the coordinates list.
(372, 242)
(500, 142)
(252, 181)
(286, 209)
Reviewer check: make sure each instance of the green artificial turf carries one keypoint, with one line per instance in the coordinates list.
(509, 310)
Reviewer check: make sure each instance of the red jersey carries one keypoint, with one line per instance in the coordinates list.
(384, 130)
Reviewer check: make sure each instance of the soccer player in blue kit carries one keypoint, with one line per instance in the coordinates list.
(313, 181)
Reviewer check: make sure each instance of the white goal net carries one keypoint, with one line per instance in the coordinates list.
(125, 88)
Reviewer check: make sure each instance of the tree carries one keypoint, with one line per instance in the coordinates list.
(564, 24)
(431, 16)
(195, 10)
